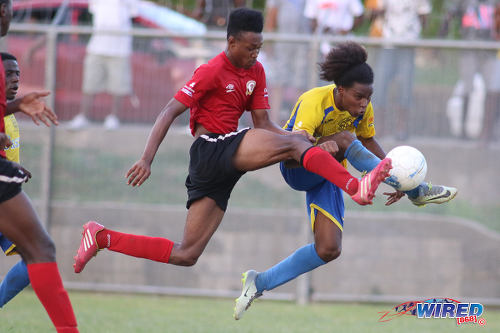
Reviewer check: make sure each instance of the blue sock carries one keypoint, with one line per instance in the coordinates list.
(412, 194)
(361, 158)
(301, 261)
(16, 280)
(364, 160)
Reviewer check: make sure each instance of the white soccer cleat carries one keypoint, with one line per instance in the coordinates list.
(248, 294)
(437, 194)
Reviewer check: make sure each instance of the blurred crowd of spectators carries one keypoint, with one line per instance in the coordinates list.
(472, 109)
(376, 18)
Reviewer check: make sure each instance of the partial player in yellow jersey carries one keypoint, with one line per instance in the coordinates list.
(17, 278)
(12, 74)
(339, 113)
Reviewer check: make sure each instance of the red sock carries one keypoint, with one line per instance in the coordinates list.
(322, 163)
(47, 284)
(153, 248)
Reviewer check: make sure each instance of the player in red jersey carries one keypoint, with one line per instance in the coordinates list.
(18, 219)
(217, 95)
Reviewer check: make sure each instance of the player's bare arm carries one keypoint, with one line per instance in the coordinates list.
(33, 105)
(4, 141)
(372, 145)
(141, 170)
(261, 119)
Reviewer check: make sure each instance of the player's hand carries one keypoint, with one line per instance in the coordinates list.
(330, 147)
(306, 134)
(4, 141)
(138, 173)
(34, 106)
(393, 197)
(25, 171)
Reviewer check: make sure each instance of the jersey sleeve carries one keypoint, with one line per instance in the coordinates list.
(307, 115)
(260, 99)
(366, 127)
(196, 88)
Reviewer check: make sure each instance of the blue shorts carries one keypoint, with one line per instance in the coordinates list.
(7, 246)
(321, 195)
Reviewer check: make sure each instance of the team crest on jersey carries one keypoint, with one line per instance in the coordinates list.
(250, 87)
(345, 124)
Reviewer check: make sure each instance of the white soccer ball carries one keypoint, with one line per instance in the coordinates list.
(408, 168)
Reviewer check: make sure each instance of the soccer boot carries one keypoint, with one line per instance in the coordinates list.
(88, 245)
(437, 194)
(248, 294)
(370, 182)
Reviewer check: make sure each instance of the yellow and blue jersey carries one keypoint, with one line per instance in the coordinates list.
(12, 130)
(317, 113)
(12, 152)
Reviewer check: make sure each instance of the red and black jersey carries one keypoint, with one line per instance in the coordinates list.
(3, 103)
(219, 93)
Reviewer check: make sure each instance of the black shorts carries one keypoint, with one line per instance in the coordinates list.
(11, 179)
(211, 169)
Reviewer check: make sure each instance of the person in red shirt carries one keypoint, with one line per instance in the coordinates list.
(18, 219)
(217, 95)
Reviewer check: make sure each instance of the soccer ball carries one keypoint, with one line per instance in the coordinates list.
(408, 168)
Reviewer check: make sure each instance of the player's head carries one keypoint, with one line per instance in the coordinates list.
(5, 16)
(12, 74)
(244, 36)
(346, 66)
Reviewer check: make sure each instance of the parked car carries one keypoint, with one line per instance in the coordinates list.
(157, 69)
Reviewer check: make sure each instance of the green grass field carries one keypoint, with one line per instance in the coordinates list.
(139, 313)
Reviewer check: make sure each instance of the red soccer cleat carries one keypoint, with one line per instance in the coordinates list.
(370, 182)
(88, 245)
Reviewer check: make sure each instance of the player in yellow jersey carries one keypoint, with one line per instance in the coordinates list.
(17, 278)
(12, 73)
(341, 113)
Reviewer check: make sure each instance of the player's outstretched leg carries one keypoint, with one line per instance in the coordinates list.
(88, 245)
(96, 237)
(427, 193)
(248, 294)
(370, 182)
(362, 159)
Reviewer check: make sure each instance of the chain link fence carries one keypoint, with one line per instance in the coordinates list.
(79, 175)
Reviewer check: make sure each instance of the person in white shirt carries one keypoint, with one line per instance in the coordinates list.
(333, 16)
(107, 66)
(401, 20)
